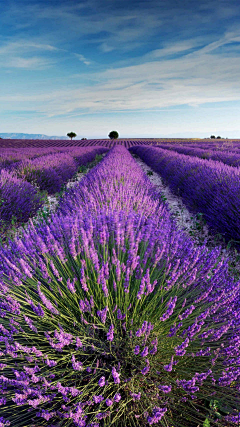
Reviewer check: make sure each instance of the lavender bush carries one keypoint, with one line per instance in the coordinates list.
(230, 158)
(50, 172)
(18, 199)
(206, 186)
(110, 316)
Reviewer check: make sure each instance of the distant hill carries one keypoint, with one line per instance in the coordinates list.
(29, 136)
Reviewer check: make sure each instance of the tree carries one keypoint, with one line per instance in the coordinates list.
(213, 136)
(113, 134)
(71, 135)
(219, 137)
(82, 139)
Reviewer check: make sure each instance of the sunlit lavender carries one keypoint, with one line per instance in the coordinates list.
(111, 316)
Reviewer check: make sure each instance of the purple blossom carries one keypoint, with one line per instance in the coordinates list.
(144, 352)
(109, 402)
(98, 399)
(110, 333)
(171, 305)
(158, 413)
(103, 314)
(165, 388)
(180, 350)
(4, 422)
(101, 382)
(135, 396)
(117, 397)
(46, 302)
(70, 285)
(136, 350)
(115, 375)
(77, 366)
(169, 367)
(145, 370)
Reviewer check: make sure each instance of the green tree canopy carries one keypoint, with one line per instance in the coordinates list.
(71, 135)
(113, 134)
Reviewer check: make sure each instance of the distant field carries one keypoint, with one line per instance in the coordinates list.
(126, 142)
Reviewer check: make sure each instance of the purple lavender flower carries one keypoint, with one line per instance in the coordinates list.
(109, 402)
(101, 382)
(103, 314)
(110, 333)
(136, 350)
(98, 399)
(46, 302)
(171, 305)
(144, 352)
(165, 388)
(158, 413)
(169, 367)
(117, 397)
(115, 375)
(135, 396)
(77, 366)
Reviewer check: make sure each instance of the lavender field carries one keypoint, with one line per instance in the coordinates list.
(110, 313)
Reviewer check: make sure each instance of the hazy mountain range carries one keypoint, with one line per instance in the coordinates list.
(29, 136)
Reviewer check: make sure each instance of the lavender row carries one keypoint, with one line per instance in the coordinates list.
(20, 187)
(19, 200)
(228, 157)
(110, 313)
(126, 142)
(10, 156)
(206, 186)
(50, 172)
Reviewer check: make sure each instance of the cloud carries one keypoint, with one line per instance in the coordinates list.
(181, 65)
(24, 46)
(10, 54)
(194, 79)
(33, 63)
(116, 26)
(82, 58)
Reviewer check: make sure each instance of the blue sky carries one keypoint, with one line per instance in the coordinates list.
(144, 68)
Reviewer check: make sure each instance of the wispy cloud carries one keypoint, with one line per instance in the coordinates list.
(10, 54)
(193, 79)
(82, 58)
(24, 46)
(33, 63)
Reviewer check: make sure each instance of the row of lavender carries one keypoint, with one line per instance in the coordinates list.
(39, 143)
(8, 156)
(111, 316)
(206, 186)
(231, 158)
(24, 179)
(126, 142)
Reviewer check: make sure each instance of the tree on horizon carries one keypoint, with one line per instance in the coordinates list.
(71, 135)
(113, 134)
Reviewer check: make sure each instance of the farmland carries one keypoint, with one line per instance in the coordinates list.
(110, 313)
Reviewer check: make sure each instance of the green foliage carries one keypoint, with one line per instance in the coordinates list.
(212, 136)
(82, 169)
(206, 423)
(113, 134)
(71, 135)
(149, 173)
